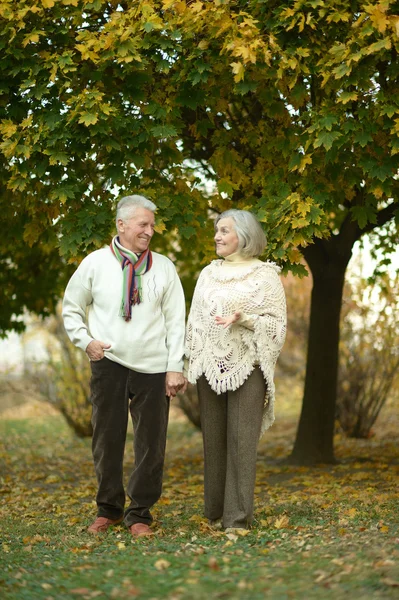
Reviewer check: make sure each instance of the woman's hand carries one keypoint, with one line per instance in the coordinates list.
(226, 321)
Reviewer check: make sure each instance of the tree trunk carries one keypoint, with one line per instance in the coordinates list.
(314, 441)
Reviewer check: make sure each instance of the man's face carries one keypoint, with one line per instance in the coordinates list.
(135, 233)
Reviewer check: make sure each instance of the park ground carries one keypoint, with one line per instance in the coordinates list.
(321, 532)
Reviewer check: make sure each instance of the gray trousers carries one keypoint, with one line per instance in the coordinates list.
(231, 424)
(116, 390)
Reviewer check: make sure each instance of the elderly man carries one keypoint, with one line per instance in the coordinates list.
(124, 306)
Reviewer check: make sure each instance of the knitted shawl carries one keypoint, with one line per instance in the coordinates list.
(227, 356)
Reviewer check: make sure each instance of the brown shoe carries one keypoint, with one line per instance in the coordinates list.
(101, 524)
(140, 530)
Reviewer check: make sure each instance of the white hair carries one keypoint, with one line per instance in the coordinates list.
(127, 206)
(251, 237)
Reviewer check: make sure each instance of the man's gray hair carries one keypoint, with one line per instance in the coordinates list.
(251, 237)
(127, 206)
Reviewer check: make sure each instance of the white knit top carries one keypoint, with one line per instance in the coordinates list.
(153, 341)
(227, 356)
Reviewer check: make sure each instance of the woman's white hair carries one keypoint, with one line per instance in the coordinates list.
(251, 237)
(127, 206)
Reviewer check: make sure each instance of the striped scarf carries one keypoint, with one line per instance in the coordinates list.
(133, 267)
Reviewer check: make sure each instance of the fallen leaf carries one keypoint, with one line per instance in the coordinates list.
(162, 564)
(282, 522)
(242, 532)
(213, 564)
(390, 582)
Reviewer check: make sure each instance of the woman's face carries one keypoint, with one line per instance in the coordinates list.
(226, 239)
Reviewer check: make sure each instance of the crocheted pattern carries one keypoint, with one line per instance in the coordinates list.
(228, 356)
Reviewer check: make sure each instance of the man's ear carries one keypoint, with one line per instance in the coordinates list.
(120, 226)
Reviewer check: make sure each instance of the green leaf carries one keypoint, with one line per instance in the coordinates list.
(326, 139)
(295, 161)
(88, 119)
(363, 215)
(187, 232)
(342, 71)
(225, 186)
(163, 131)
(243, 87)
(363, 137)
(57, 157)
(327, 121)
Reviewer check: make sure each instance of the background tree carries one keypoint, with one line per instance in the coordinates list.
(369, 353)
(287, 108)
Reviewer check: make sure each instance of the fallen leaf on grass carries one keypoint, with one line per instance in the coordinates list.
(196, 518)
(383, 563)
(242, 532)
(321, 576)
(162, 564)
(213, 564)
(390, 582)
(46, 586)
(282, 522)
(242, 585)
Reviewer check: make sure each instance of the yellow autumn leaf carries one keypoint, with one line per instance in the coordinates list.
(8, 128)
(46, 586)
(196, 518)
(160, 227)
(162, 564)
(32, 37)
(282, 522)
(238, 70)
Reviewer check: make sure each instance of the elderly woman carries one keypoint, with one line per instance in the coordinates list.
(235, 331)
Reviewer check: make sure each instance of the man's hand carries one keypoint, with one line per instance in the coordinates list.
(226, 321)
(175, 382)
(95, 350)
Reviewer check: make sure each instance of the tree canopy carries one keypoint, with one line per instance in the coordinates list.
(288, 108)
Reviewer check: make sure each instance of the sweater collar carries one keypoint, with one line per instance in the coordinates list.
(238, 259)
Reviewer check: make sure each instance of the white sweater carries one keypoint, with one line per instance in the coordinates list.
(227, 356)
(153, 340)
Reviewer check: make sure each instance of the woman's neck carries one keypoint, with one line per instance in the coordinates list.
(238, 259)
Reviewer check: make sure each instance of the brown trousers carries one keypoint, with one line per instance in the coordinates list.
(116, 390)
(231, 424)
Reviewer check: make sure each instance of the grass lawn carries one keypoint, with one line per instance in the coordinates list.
(323, 532)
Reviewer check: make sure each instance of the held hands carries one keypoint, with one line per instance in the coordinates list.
(175, 382)
(95, 350)
(226, 321)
